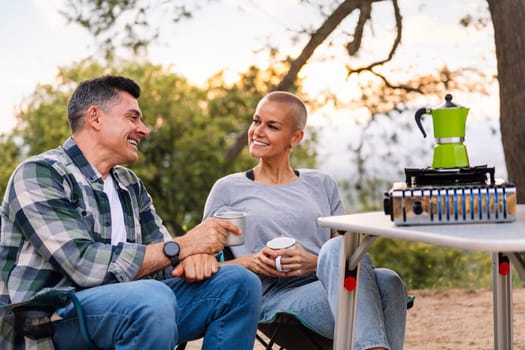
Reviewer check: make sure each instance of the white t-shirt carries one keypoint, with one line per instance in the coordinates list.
(118, 230)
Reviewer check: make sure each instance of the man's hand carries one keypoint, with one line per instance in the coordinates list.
(206, 238)
(196, 267)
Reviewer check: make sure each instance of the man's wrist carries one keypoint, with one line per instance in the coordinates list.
(185, 247)
(171, 250)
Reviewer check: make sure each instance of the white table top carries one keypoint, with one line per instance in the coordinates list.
(494, 237)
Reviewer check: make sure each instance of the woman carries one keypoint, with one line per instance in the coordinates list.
(282, 201)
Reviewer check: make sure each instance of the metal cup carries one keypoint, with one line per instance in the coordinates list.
(238, 219)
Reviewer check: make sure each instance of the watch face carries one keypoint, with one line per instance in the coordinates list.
(171, 249)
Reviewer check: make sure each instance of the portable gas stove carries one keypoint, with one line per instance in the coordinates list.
(450, 196)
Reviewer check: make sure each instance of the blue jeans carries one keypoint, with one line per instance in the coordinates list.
(150, 314)
(381, 299)
(381, 305)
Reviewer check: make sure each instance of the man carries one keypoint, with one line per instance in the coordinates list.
(73, 216)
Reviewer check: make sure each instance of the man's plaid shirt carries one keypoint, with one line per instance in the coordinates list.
(55, 227)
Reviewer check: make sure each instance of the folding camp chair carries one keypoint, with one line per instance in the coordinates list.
(30, 320)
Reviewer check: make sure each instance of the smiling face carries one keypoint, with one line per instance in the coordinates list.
(120, 130)
(272, 133)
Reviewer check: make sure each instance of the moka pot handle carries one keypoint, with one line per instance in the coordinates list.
(419, 114)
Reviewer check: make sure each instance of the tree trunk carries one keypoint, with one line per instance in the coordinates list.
(508, 17)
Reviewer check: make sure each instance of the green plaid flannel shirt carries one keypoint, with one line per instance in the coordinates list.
(55, 227)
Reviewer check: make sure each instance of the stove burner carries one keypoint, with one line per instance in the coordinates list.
(450, 196)
(476, 175)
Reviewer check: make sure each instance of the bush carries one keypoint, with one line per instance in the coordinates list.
(424, 266)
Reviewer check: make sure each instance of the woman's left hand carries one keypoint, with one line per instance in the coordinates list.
(296, 261)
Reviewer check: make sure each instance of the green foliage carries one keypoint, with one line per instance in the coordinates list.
(8, 158)
(191, 130)
(185, 153)
(43, 123)
(428, 266)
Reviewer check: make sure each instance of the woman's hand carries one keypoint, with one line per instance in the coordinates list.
(296, 260)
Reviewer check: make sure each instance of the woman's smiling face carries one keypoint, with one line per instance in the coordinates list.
(272, 131)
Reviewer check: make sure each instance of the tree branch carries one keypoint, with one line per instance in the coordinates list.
(395, 45)
(320, 35)
(407, 88)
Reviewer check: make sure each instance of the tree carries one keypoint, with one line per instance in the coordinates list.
(102, 19)
(8, 158)
(509, 35)
(191, 127)
(381, 96)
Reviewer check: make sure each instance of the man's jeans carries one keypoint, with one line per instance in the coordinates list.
(150, 314)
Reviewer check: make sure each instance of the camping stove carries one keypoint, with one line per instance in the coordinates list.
(450, 196)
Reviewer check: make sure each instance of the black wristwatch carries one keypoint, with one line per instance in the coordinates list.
(171, 250)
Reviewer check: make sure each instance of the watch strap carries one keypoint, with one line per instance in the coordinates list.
(175, 260)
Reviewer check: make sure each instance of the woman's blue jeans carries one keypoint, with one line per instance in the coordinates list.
(150, 314)
(381, 299)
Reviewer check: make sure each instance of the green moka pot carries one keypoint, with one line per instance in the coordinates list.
(449, 121)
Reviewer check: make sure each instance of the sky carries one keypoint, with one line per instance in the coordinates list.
(227, 34)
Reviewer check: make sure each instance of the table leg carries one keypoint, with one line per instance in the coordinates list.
(502, 291)
(346, 310)
(518, 262)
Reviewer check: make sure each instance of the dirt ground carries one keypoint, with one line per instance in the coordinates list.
(459, 319)
(453, 319)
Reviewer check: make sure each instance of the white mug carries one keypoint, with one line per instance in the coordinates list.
(281, 243)
(238, 219)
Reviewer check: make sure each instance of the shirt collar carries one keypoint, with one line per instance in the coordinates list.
(76, 155)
